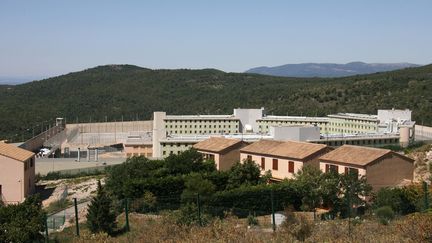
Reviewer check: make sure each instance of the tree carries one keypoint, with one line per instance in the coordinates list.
(188, 161)
(22, 222)
(196, 184)
(100, 217)
(309, 184)
(246, 173)
(353, 192)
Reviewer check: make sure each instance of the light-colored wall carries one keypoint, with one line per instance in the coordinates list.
(423, 133)
(386, 115)
(111, 127)
(16, 183)
(341, 168)
(168, 148)
(249, 117)
(138, 150)
(201, 126)
(389, 172)
(264, 125)
(216, 158)
(282, 171)
(296, 133)
(349, 125)
(228, 159)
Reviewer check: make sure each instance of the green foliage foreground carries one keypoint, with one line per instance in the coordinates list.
(22, 222)
(241, 189)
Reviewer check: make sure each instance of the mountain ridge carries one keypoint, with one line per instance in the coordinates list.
(126, 92)
(328, 69)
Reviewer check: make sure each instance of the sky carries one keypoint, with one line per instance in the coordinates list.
(50, 37)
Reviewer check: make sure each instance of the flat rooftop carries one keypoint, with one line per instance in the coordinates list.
(355, 116)
(294, 118)
(201, 137)
(201, 117)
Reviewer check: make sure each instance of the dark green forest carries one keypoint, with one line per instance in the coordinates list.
(115, 91)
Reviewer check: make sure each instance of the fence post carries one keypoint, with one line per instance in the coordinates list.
(426, 195)
(127, 214)
(199, 210)
(76, 217)
(46, 229)
(272, 208)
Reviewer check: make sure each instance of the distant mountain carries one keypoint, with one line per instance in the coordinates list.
(329, 69)
(12, 80)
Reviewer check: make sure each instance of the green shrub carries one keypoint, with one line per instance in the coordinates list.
(144, 204)
(100, 216)
(22, 222)
(385, 214)
(252, 220)
(188, 215)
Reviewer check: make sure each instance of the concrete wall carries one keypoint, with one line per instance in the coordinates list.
(296, 133)
(393, 114)
(389, 171)
(249, 117)
(38, 141)
(112, 127)
(16, 182)
(159, 132)
(423, 133)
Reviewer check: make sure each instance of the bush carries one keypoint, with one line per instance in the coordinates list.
(144, 204)
(385, 214)
(22, 222)
(252, 220)
(297, 226)
(403, 200)
(188, 215)
(417, 227)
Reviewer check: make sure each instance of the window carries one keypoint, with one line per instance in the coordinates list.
(262, 163)
(333, 168)
(352, 171)
(164, 152)
(31, 162)
(249, 157)
(275, 164)
(0, 190)
(290, 166)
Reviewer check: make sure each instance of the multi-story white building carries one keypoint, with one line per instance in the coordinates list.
(348, 123)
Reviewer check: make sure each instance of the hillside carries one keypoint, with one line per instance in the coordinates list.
(328, 69)
(130, 91)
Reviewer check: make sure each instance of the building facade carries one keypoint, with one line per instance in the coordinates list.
(348, 123)
(224, 152)
(17, 173)
(381, 167)
(283, 158)
(265, 123)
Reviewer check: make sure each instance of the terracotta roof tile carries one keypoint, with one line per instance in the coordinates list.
(14, 152)
(356, 155)
(216, 144)
(287, 149)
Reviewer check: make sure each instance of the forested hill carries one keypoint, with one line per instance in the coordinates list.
(130, 91)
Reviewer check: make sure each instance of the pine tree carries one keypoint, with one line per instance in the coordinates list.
(100, 217)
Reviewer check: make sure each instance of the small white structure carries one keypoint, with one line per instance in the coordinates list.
(295, 133)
